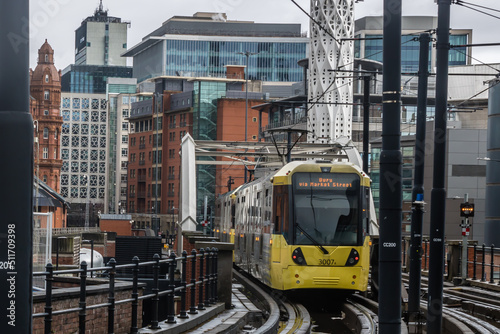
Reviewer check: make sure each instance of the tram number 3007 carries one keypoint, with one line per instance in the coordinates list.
(326, 262)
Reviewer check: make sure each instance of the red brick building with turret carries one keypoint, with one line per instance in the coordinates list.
(45, 103)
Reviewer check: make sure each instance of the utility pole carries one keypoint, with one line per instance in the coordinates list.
(16, 183)
(417, 216)
(390, 175)
(438, 194)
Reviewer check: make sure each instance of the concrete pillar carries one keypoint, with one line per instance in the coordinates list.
(224, 270)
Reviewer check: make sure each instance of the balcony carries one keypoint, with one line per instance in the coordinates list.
(141, 194)
(141, 178)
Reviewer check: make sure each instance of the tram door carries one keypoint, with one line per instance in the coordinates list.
(278, 224)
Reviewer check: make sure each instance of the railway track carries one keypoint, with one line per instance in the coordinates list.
(281, 315)
(466, 310)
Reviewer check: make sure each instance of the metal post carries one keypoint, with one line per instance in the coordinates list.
(171, 287)
(366, 121)
(465, 225)
(200, 299)
(82, 304)
(155, 290)
(183, 314)
(192, 307)
(483, 275)
(57, 253)
(16, 186)
(216, 275)
(92, 257)
(48, 298)
(135, 295)
(111, 296)
(207, 278)
(391, 196)
(425, 255)
(475, 263)
(438, 194)
(492, 266)
(403, 242)
(417, 216)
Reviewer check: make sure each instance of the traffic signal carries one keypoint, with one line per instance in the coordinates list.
(466, 210)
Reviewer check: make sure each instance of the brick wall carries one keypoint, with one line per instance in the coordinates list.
(97, 319)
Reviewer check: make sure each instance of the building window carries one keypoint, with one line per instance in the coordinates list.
(55, 153)
(55, 134)
(45, 133)
(45, 152)
(46, 58)
(124, 139)
(46, 78)
(44, 178)
(124, 152)
(125, 126)
(46, 95)
(125, 113)
(46, 113)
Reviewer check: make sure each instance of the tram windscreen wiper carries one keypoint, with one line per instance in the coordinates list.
(317, 244)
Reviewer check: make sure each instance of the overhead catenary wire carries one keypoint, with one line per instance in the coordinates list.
(461, 3)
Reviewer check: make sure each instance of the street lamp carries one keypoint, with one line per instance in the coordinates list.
(247, 54)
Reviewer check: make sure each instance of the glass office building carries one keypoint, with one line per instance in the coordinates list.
(369, 30)
(410, 48)
(202, 45)
(91, 79)
(271, 61)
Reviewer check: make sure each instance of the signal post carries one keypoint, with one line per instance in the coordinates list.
(466, 211)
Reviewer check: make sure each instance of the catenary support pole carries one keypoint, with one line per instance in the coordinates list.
(438, 194)
(417, 216)
(366, 121)
(390, 175)
(16, 169)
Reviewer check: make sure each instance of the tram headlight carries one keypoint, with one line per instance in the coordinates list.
(298, 257)
(353, 258)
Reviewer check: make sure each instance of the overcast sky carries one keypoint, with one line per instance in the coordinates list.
(57, 20)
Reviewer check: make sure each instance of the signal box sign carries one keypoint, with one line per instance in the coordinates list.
(466, 210)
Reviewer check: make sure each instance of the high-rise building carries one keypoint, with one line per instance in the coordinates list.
(84, 151)
(101, 39)
(204, 44)
(94, 139)
(121, 94)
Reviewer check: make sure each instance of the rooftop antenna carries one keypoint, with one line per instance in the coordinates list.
(100, 5)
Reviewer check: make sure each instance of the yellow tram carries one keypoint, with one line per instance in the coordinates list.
(306, 226)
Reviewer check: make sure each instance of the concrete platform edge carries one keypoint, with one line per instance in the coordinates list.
(183, 325)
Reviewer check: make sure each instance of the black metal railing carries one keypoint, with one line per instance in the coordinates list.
(206, 284)
(484, 260)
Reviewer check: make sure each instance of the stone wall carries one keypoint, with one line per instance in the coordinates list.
(97, 319)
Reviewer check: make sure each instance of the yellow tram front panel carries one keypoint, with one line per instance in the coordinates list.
(323, 271)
